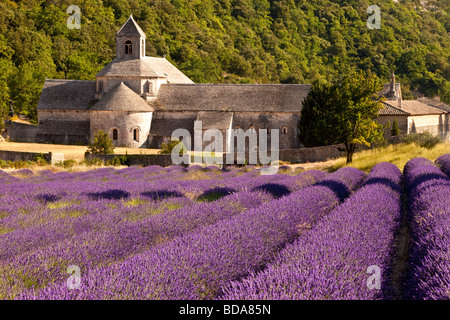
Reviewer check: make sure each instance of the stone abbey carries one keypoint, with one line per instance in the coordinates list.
(139, 101)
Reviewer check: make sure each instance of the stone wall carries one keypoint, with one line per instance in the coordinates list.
(164, 123)
(435, 124)
(63, 127)
(303, 155)
(402, 123)
(163, 160)
(23, 156)
(20, 132)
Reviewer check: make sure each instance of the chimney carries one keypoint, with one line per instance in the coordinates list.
(392, 85)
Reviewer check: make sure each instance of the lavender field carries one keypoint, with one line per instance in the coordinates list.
(205, 233)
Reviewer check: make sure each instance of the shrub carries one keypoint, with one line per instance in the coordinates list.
(395, 131)
(423, 139)
(113, 162)
(20, 164)
(67, 164)
(40, 160)
(166, 148)
(102, 144)
(92, 162)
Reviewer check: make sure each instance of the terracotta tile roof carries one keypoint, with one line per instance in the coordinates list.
(416, 108)
(391, 110)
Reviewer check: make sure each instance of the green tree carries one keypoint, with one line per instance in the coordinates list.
(102, 144)
(342, 112)
(395, 131)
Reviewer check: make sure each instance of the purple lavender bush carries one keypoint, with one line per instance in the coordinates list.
(331, 260)
(198, 264)
(428, 192)
(443, 162)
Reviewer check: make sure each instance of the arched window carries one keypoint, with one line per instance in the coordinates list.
(143, 48)
(128, 47)
(136, 135)
(284, 130)
(115, 134)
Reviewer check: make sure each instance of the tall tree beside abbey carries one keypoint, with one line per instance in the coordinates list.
(342, 113)
(228, 41)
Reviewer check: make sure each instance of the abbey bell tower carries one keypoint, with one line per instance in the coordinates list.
(130, 41)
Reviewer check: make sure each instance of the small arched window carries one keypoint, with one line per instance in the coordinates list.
(115, 134)
(128, 47)
(284, 130)
(136, 135)
(143, 48)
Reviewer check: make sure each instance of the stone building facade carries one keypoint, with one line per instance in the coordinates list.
(414, 116)
(139, 101)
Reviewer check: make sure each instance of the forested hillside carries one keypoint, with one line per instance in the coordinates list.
(237, 41)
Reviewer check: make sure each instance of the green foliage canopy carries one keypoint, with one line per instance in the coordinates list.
(343, 112)
(227, 41)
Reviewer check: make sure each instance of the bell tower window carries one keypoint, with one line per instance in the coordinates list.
(128, 47)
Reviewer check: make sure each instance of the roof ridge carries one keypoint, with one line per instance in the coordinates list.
(239, 84)
(134, 25)
(66, 80)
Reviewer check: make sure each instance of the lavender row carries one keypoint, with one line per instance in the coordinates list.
(80, 214)
(117, 241)
(443, 162)
(198, 265)
(331, 260)
(104, 186)
(89, 249)
(428, 191)
(74, 220)
(42, 199)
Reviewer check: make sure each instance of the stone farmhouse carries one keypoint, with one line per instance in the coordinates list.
(414, 116)
(139, 101)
